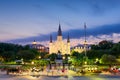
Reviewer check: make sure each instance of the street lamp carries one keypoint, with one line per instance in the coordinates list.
(32, 62)
(68, 58)
(22, 61)
(39, 57)
(68, 62)
(85, 43)
(63, 57)
(97, 59)
(85, 62)
(63, 61)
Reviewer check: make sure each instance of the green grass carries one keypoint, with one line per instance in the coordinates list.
(12, 62)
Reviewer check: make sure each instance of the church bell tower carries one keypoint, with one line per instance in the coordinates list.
(59, 37)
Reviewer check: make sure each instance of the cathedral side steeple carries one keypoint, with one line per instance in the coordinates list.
(50, 38)
(68, 39)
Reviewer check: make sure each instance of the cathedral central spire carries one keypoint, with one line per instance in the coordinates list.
(59, 30)
(59, 46)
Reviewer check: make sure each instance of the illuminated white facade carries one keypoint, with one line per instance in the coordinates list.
(59, 45)
(38, 47)
(80, 48)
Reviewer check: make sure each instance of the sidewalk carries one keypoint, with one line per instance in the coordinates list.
(56, 73)
(47, 73)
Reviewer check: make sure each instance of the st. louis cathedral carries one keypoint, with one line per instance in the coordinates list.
(59, 45)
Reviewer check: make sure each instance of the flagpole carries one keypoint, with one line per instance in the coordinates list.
(85, 41)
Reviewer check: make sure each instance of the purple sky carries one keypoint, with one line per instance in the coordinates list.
(25, 20)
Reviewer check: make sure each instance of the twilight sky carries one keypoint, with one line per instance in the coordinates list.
(22, 21)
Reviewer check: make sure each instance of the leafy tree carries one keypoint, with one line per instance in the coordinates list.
(8, 56)
(36, 53)
(26, 55)
(9, 51)
(1, 59)
(10, 47)
(66, 56)
(77, 55)
(77, 58)
(52, 56)
(95, 47)
(116, 49)
(105, 44)
(26, 47)
(93, 54)
(76, 62)
(108, 59)
(43, 55)
(41, 62)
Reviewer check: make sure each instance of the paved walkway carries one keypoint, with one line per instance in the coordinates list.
(55, 76)
(48, 73)
(56, 73)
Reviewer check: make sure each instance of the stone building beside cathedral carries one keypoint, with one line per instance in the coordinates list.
(59, 45)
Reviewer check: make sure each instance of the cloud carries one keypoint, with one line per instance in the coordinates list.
(115, 37)
(100, 30)
(97, 33)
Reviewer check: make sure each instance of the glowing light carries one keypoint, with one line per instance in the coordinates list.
(39, 57)
(85, 62)
(97, 59)
(32, 62)
(34, 42)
